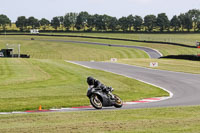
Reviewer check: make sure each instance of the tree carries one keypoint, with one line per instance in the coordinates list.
(137, 23)
(91, 22)
(188, 21)
(123, 22)
(195, 14)
(181, 18)
(175, 23)
(130, 21)
(55, 23)
(21, 23)
(33, 22)
(112, 23)
(150, 22)
(162, 21)
(99, 23)
(70, 20)
(106, 20)
(44, 23)
(81, 22)
(4, 20)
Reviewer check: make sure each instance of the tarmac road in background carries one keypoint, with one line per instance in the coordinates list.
(184, 88)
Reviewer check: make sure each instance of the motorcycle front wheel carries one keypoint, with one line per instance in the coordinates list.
(96, 102)
(118, 102)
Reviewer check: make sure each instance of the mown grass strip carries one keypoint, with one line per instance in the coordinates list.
(163, 48)
(43, 49)
(189, 39)
(56, 84)
(162, 120)
(166, 64)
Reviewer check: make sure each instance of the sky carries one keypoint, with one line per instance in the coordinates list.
(116, 8)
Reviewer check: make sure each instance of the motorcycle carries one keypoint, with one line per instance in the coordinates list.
(99, 99)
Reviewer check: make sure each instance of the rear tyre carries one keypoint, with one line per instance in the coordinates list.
(95, 101)
(118, 102)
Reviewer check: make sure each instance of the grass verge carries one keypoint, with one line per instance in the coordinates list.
(162, 120)
(189, 39)
(40, 48)
(28, 83)
(166, 64)
(31, 47)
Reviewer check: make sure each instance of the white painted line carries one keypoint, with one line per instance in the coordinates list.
(158, 52)
(164, 98)
(5, 113)
(148, 100)
(16, 112)
(129, 103)
(78, 64)
(170, 93)
(67, 108)
(55, 109)
(155, 69)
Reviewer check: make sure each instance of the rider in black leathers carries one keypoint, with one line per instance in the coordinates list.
(94, 83)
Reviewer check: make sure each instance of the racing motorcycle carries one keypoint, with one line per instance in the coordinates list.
(99, 98)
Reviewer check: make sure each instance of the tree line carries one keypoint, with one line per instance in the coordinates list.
(83, 21)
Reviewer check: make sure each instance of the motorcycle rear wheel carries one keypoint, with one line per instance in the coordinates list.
(118, 103)
(96, 102)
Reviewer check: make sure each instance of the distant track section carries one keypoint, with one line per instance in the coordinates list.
(155, 54)
(151, 52)
(109, 38)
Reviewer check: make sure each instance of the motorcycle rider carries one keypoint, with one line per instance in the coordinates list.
(94, 83)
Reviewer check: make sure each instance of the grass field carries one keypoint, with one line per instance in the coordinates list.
(69, 51)
(155, 120)
(166, 64)
(47, 80)
(27, 83)
(189, 39)
(31, 47)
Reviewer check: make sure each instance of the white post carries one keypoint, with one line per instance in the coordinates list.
(18, 50)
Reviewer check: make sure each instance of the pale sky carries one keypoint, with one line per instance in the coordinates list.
(118, 8)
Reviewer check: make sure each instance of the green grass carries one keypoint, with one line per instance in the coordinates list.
(166, 64)
(28, 83)
(42, 49)
(48, 80)
(189, 39)
(83, 51)
(154, 120)
(165, 49)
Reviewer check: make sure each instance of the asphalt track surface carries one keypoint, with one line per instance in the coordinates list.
(184, 88)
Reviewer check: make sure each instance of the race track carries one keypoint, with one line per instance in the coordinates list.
(184, 88)
(151, 52)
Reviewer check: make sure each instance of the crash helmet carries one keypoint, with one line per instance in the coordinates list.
(90, 80)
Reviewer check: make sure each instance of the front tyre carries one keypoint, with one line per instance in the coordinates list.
(95, 101)
(118, 102)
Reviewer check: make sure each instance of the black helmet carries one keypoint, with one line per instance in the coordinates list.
(90, 80)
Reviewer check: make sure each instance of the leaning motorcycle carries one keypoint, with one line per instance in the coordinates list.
(99, 99)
